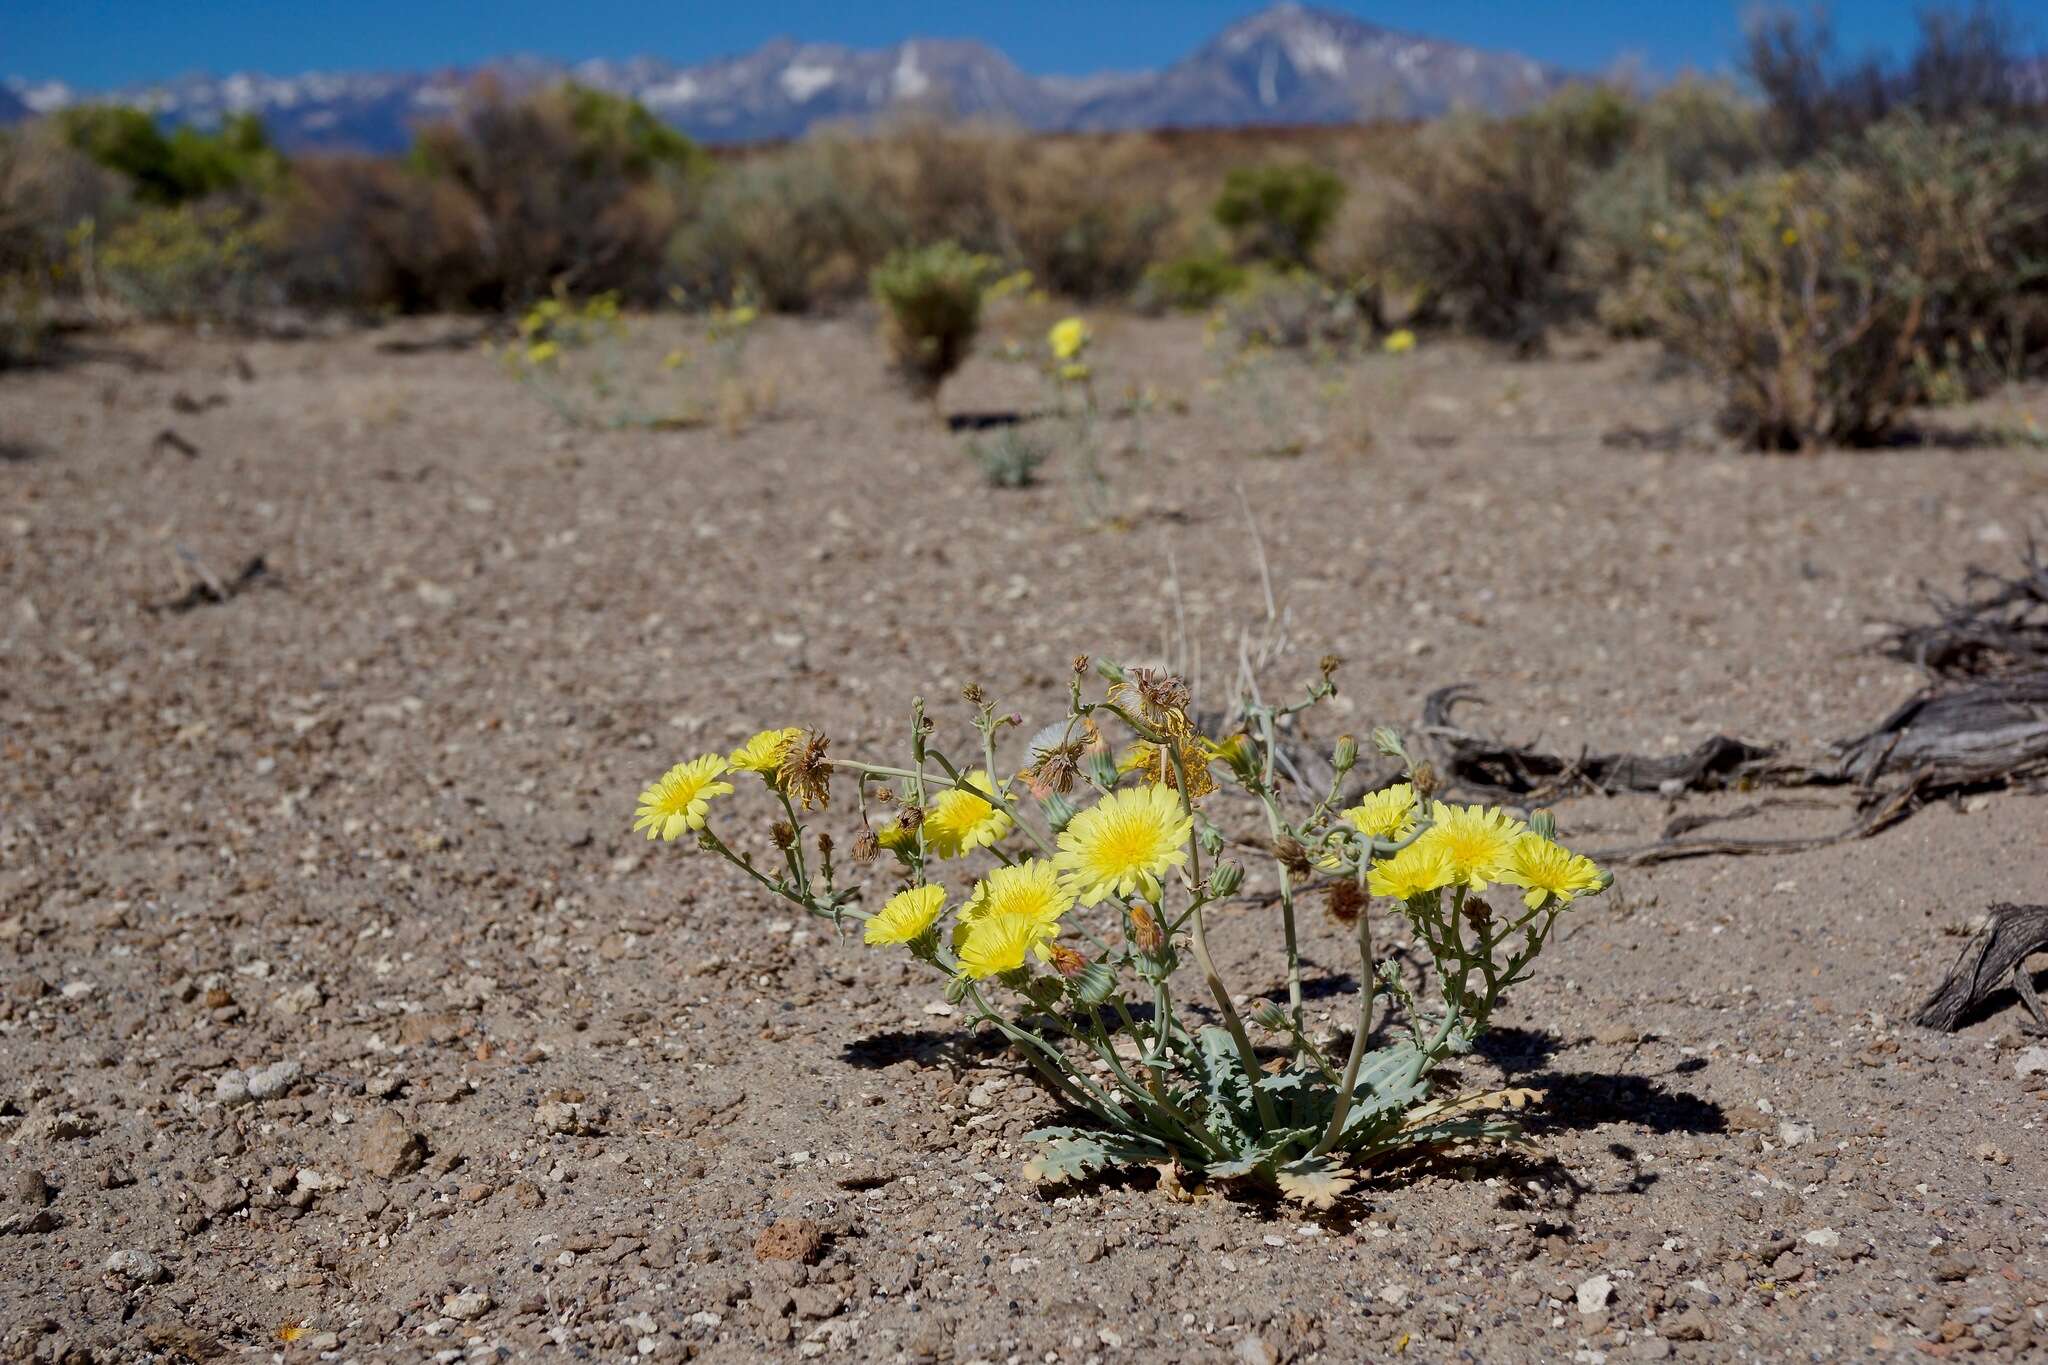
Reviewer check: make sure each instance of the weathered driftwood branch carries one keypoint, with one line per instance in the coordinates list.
(1994, 959)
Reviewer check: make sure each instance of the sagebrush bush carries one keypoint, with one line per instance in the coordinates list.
(1289, 310)
(47, 188)
(1817, 295)
(797, 229)
(190, 263)
(1193, 282)
(1279, 212)
(1080, 217)
(931, 310)
(1485, 214)
(370, 234)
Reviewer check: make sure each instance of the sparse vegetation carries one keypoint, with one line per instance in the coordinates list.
(931, 307)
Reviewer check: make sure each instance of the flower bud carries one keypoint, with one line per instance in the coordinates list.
(1345, 758)
(1225, 880)
(1388, 741)
(1269, 1015)
(1542, 822)
(1211, 839)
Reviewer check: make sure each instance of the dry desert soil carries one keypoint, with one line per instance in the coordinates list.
(344, 1017)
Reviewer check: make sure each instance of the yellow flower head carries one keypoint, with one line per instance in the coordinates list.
(1386, 814)
(960, 822)
(1028, 890)
(1546, 869)
(541, 352)
(1124, 842)
(907, 915)
(995, 944)
(1415, 871)
(1399, 343)
(894, 837)
(1067, 338)
(1477, 840)
(764, 753)
(677, 800)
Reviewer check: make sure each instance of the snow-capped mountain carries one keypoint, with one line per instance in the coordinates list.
(1288, 64)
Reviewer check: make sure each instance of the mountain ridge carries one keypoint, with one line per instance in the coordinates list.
(1290, 63)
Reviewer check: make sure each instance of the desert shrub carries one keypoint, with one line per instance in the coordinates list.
(1690, 135)
(1288, 310)
(1059, 889)
(190, 262)
(1193, 282)
(1821, 296)
(931, 306)
(1010, 458)
(796, 229)
(364, 233)
(1078, 216)
(567, 186)
(47, 189)
(175, 168)
(1963, 67)
(1484, 216)
(1278, 212)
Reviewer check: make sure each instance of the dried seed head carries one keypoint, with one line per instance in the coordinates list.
(866, 847)
(805, 774)
(1080, 663)
(1146, 935)
(1066, 961)
(784, 835)
(973, 693)
(1057, 769)
(1292, 856)
(1343, 899)
(909, 818)
(1424, 780)
(1478, 913)
(824, 845)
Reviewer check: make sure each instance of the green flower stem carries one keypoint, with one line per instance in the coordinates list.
(1061, 1070)
(1368, 988)
(1198, 936)
(1273, 823)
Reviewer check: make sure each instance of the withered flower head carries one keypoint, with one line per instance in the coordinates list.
(1423, 779)
(804, 773)
(909, 818)
(1329, 665)
(973, 693)
(1162, 699)
(1344, 900)
(866, 847)
(1080, 663)
(1066, 961)
(1292, 856)
(1146, 935)
(784, 835)
(1057, 769)
(1478, 913)
(824, 845)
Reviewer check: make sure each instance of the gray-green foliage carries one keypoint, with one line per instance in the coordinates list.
(1010, 458)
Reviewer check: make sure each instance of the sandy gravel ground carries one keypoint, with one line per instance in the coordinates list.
(342, 1017)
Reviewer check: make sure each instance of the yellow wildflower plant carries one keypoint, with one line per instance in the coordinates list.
(960, 822)
(1078, 943)
(1123, 844)
(677, 801)
(997, 944)
(764, 753)
(1385, 814)
(1399, 342)
(1549, 872)
(1067, 339)
(906, 916)
(1476, 839)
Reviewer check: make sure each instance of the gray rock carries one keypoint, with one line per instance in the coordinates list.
(273, 1080)
(1594, 1294)
(470, 1304)
(137, 1266)
(231, 1088)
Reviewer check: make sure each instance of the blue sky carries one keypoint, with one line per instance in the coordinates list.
(100, 43)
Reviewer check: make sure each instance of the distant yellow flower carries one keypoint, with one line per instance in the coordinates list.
(540, 353)
(995, 944)
(960, 822)
(907, 915)
(1399, 343)
(1546, 869)
(1385, 814)
(1790, 237)
(1477, 840)
(1029, 890)
(1074, 372)
(1067, 338)
(1124, 842)
(764, 753)
(673, 359)
(1415, 871)
(677, 800)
